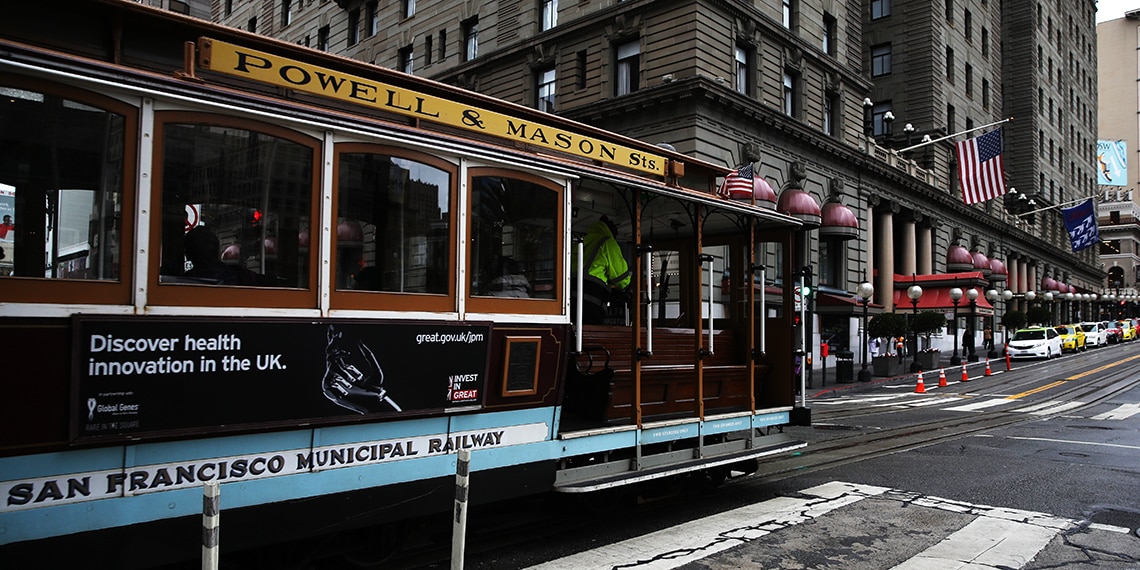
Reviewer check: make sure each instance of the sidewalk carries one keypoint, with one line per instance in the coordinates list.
(833, 388)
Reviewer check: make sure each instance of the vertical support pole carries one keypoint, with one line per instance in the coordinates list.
(804, 349)
(211, 515)
(579, 285)
(459, 526)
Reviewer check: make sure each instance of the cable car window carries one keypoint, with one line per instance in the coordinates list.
(515, 230)
(236, 207)
(61, 195)
(393, 225)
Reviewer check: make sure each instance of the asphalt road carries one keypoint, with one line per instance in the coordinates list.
(1034, 468)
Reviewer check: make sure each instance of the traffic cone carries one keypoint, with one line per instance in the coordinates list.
(941, 377)
(964, 377)
(988, 373)
(1008, 364)
(920, 388)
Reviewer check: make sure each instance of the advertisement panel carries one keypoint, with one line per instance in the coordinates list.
(138, 377)
(1112, 163)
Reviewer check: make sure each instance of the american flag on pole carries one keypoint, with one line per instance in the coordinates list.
(738, 183)
(1080, 221)
(980, 167)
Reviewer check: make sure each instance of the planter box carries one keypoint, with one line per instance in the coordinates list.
(929, 360)
(886, 365)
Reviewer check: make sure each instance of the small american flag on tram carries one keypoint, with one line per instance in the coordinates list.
(980, 169)
(738, 182)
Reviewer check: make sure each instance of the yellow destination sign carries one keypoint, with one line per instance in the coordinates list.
(260, 66)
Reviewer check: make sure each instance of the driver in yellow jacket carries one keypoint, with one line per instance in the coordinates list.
(607, 268)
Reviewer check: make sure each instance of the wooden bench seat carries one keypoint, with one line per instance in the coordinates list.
(668, 377)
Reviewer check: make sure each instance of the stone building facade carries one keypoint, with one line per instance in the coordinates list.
(778, 83)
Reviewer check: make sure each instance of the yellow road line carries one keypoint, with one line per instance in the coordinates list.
(1074, 377)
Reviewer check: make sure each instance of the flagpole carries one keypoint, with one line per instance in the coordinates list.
(1061, 205)
(958, 134)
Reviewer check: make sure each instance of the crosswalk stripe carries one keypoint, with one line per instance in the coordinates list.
(685, 543)
(984, 543)
(1058, 409)
(973, 407)
(1123, 412)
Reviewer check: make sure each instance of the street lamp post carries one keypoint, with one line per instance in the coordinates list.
(888, 120)
(955, 298)
(1048, 297)
(866, 291)
(1029, 297)
(992, 295)
(1006, 296)
(972, 295)
(914, 292)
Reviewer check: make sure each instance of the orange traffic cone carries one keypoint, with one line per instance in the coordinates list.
(964, 377)
(988, 373)
(1008, 364)
(920, 388)
(941, 377)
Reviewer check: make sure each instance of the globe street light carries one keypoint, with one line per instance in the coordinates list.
(972, 295)
(955, 298)
(866, 291)
(914, 292)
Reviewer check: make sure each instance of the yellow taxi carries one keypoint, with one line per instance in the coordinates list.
(1128, 332)
(1072, 337)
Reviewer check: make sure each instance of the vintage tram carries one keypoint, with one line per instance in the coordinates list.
(313, 281)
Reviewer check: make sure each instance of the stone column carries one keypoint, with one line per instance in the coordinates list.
(925, 250)
(885, 257)
(907, 259)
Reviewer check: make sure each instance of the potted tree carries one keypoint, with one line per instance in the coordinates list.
(887, 327)
(1013, 320)
(926, 324)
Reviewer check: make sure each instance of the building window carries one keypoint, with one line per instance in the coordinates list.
(371, 18)
(742, 67)
(470, 38)
(830, 27)
(985, 93)
(323, 38)
(353, 27)
(985, 42)
(969, 80)
(581, 64)
(286, 13)
(831, 107)
(950, 64)
(791, 94)
(407, 60)
(409, 8)
(549, 14)
(442, 45)
(880, 9)
(228, 8)
(427, 50)
(788, 14)
(880, 60)
(628, 68)
(949, 12)
(879, 127)
(546, 81)
(968, 26)
(951, 118)
(251, 25)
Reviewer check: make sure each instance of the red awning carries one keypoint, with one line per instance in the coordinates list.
(936, 292)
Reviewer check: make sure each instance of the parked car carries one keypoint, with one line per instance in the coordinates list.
(1072, 337)
(1115, 335)
(1036, 342)
(1127, 331)
(1095, 334)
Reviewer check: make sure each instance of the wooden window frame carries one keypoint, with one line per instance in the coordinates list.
(174, 294)
(380, 300)
(515, 305)
(46, 290)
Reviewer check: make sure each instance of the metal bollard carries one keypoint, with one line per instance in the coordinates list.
(459, 526)
(211, 515)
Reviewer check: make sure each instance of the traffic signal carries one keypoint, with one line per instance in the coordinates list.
(806, 289)
(253, 218)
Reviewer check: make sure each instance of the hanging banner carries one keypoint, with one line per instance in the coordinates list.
(1112, 163)
(137, 377)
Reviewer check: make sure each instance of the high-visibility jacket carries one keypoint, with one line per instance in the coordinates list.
(603, 257)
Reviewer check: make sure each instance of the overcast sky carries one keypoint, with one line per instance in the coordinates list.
(1113, 9)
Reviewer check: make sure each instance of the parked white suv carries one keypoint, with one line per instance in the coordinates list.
(1095, 334)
